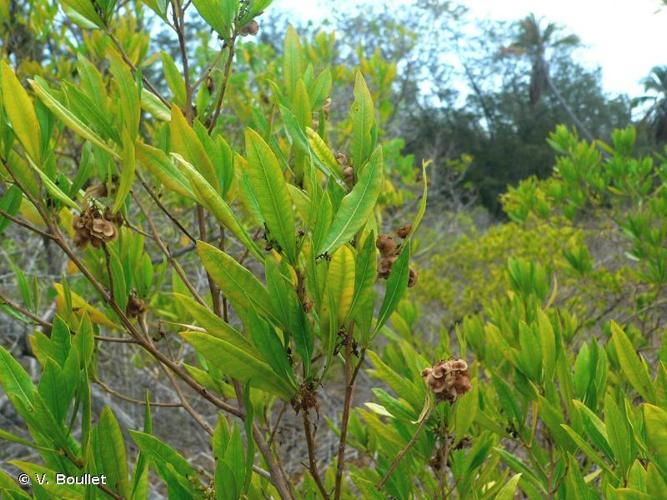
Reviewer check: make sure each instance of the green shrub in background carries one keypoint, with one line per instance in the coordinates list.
(278, 194)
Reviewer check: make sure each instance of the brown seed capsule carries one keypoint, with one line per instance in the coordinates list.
(252, 28)
(412, 279)
(386, 245)
(342, 160)
(326, 107)
(103, 229)
(135, 306)
(97, 190)
(403, 231)
(448, 379)
(385, 266)
(348, 175)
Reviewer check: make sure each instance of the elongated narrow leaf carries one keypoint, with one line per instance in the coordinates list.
(237, 283)
(293, 60)
(240, 364)
(655, 421)
(128, 166)
(21, 112)
(160, 165)
(363, 119)
(270, 188)
(185, 142)
(10, 203)
(422, 203)
(365, 275)
(60, 491)
(209, 198)
(508, 491)
(14, 379)
(111, 452)
(632, 366)
(357, 206)
(161, 453)
(68, 118)
(213, 324)
(396, 285)
(340, 281)
(323, 153)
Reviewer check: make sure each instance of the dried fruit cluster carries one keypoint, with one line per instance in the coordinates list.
(95, 227)
(389, 250)
(448, 379)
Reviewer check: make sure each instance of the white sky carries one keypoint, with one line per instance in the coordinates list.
(626, 38)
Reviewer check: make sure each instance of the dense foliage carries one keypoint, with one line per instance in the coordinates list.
(242, 219)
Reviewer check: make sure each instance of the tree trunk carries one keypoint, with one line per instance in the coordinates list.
(579, 124)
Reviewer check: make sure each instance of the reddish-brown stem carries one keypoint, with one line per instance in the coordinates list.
(310, 442)
(351, 373)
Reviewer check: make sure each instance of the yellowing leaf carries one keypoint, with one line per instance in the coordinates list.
(21, 112)
(79, 306)
(68, 118)
(185, 142)
(340, 280)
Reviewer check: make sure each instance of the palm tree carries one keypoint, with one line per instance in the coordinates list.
(533, 42)
(655, 87)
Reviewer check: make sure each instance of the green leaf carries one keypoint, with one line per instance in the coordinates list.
(508, 491)
(128, 166)
(174, 78)
(365, 276)
(14, 379)
(293, 60)
(110, 450)
(397, 283)
(213, 323)
(185, 142)
(10, 203)
(166, 460)
(160, 165)
(465, 411)
(632, 366)
(210, 199)
(219, 14)
(21, 112)
(53, 189)
(357, 206)
(67, 117)
(270, 188)
(237, 283)
(655, 421)
(240, 364)
(619, 433)
(129, 97)
(363, 119)
(62, 491)
(588, 450)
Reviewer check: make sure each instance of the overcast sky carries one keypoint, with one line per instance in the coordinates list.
(626, 38)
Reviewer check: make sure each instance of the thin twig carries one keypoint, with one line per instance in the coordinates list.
(350, 376)
(25, 224)
(402, 453)
(157, 201)
(221, 95)
(310, 442)
(132, 400)
(177, 267)
(17, 307)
